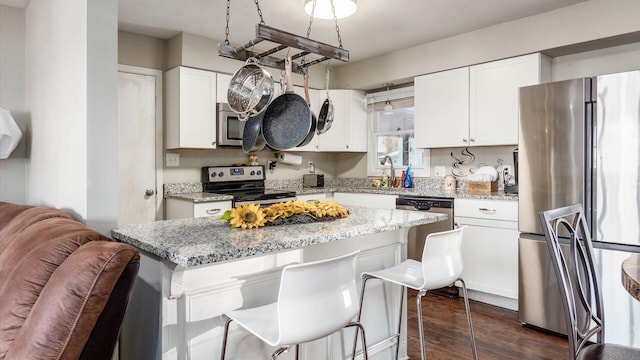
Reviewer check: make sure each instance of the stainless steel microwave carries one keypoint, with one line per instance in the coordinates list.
(230, 128)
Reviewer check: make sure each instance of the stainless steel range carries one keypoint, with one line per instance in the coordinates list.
(245, 183)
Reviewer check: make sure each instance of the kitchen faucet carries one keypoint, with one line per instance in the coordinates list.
(392, 179)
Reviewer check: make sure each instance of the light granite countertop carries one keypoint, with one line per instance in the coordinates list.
(199, 197)
(198, 241)
(461, 194)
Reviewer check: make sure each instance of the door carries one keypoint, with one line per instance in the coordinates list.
(139, 138)
(617, 156)
(552, 158)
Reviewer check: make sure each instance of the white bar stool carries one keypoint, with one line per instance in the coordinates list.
(315, 300)
(441, 266)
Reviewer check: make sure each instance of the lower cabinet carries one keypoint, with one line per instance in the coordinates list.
(379, 201)
(183, 209)
(490, 249)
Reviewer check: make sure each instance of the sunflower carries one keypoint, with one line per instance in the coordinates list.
(247, 216)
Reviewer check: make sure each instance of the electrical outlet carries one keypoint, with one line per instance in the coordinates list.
(440, 170)
(311, 167)
(173, 160)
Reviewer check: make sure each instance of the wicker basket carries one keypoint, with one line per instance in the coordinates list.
(482, 187)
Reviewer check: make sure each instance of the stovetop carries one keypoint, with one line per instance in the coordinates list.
(244, 183)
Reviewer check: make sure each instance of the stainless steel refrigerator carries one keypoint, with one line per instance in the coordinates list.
(580, 143)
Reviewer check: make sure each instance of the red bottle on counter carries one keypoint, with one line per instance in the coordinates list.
(404, 176)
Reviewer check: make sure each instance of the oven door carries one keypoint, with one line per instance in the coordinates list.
(230, 128)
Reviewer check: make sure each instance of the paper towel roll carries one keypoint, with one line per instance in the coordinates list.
(289, 159)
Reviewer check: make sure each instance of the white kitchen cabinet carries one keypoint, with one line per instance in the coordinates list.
(476, 105)
(190, 109)
(490, 249)
(183, 209)
(442, 109)
(348, 131)
(379, 201)
(222, 87)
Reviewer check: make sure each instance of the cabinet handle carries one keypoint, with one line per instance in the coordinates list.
(213, 143)
(212, 211)
(487, 211)
(472, 140)
(464, 140)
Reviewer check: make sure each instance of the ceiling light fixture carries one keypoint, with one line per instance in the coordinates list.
(388, 108)
(323, 10)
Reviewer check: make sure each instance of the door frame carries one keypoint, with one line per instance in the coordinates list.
(159, 130)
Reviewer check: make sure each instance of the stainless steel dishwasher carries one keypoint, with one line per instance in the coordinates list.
(418, 234)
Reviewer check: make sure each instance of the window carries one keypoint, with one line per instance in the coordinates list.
(392, 134)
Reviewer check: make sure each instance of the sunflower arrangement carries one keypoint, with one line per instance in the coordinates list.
(250, 216)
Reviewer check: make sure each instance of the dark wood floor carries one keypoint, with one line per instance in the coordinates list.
(498, 332)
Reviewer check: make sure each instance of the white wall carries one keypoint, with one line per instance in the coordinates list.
(12, 98)
(102, 115)
(586, 21)
(71, 83)
(598, 62)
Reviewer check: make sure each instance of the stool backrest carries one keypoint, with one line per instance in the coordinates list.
(441, 258)
(576, 276)
(317, 298)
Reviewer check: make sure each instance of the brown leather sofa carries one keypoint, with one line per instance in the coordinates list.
(64, 288)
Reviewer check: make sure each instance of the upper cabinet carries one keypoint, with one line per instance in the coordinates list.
(348, 131)
(476, 105)
(190, 109)
(442, 109)
(222, 87)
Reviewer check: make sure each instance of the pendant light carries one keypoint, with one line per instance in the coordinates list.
(388, 108)
(323, 9)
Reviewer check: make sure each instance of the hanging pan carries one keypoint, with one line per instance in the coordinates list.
(250, 90)
(287, 119)
(325, 118)
(252, 139)
(314, 120)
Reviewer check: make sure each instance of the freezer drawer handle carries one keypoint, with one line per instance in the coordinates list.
(212, 211)
(487, 211)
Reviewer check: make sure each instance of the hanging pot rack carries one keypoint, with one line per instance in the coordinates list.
(284, 41)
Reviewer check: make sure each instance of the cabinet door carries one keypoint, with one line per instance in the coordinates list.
(494, 97)
(222, 87)
(490, 254)
(357, 141)
(335, 139)
(191, 109)
(442, 109)
(348, 131)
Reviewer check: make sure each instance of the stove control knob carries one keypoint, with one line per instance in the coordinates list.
(259, 172)
(253, 172)
(213, 174)
(220, 174)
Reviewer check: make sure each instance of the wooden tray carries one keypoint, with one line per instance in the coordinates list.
(482, 187)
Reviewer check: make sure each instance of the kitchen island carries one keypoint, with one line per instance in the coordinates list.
(193, 270)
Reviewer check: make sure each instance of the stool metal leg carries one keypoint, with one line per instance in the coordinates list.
(360, 328)
(355, 339)
(420, 329)
(466, 305)
(278, 352)
(402, 291)
(224, 338)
